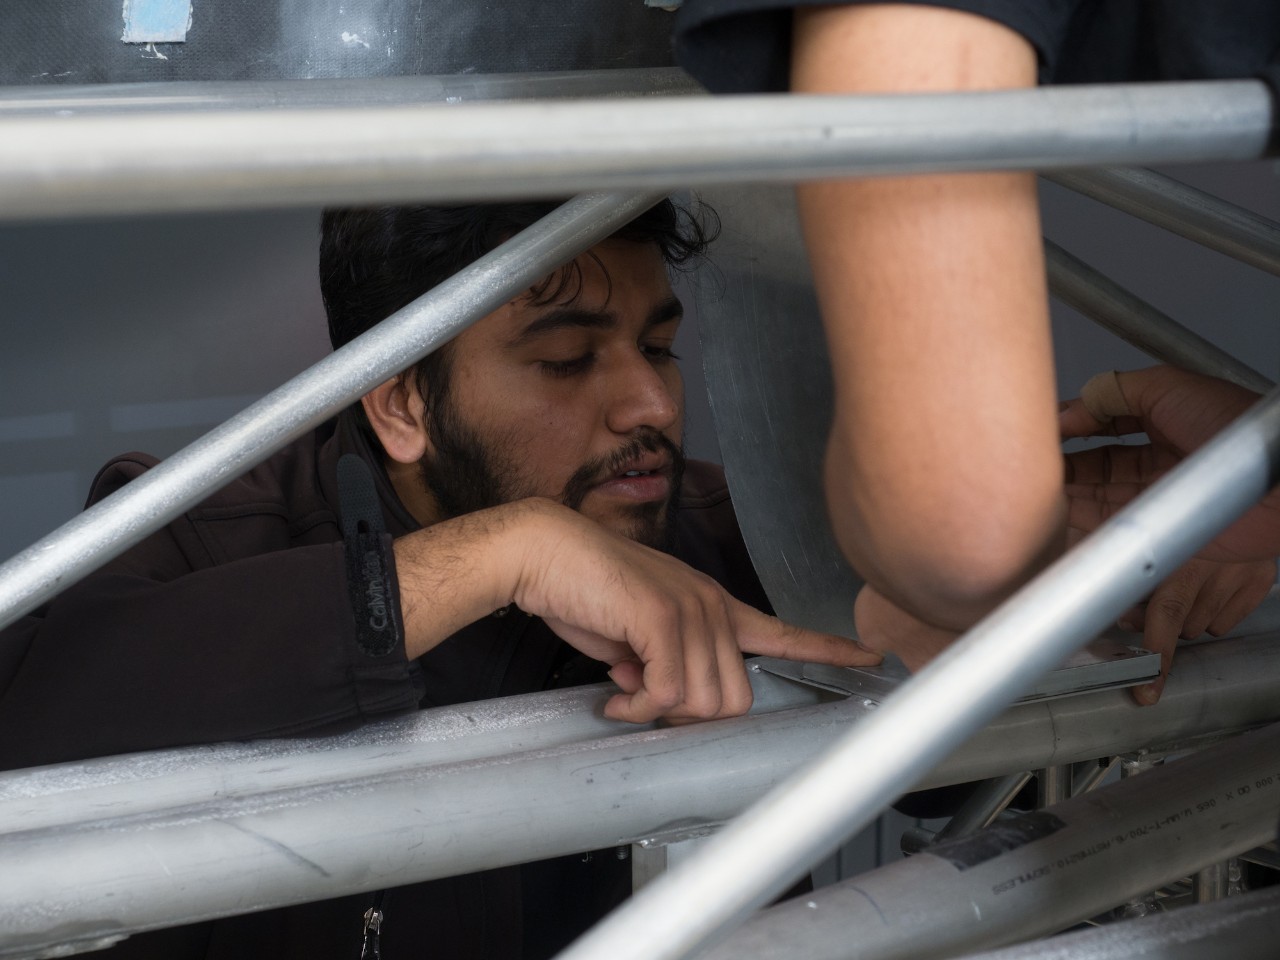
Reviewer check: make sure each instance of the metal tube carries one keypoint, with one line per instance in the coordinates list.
(1137, 322)
(988, 802)
(1053, 785)
(133, 784)
(1090, 774)
(1183, 210)
(1242, 928)
(480, 785)
(1220, 687)
(1210, 883)
(193, 160)
(152, 500)
(98, 98)
(766, 849)
(1036, 873)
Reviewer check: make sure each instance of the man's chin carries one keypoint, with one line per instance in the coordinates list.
(651, 524)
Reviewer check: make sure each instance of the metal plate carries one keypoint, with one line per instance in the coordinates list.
(770, 390)
(1106, 663)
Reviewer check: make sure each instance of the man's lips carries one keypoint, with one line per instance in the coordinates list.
(642, 479)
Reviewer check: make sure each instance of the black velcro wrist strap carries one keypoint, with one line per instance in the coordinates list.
(370, 563)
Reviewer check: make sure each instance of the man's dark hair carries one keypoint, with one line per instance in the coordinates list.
(375, 260)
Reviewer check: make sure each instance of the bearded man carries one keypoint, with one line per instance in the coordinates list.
(512, 514)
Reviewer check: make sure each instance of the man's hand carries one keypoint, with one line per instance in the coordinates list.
(674, 637)
(1179, 412)
(1199, 597)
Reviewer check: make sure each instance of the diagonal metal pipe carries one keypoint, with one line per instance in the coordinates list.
(1137, 322)
(1036, 873)
(110, 527)
(1183, 210)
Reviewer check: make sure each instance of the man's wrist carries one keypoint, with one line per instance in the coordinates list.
(456, 572)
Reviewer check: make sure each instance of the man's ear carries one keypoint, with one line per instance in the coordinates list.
(397, 413)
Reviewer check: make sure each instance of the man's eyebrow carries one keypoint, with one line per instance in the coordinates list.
(668, 310)
(563, 317)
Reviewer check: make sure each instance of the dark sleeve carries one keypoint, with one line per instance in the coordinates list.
(150, 653)
(744, 46)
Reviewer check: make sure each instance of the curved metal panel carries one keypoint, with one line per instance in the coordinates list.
(769, 382)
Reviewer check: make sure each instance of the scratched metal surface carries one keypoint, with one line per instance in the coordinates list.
(259, 834)
(769, 383)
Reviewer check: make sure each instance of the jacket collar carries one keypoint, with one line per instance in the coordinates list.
(347, 438)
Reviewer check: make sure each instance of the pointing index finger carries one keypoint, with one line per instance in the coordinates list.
(760, 633)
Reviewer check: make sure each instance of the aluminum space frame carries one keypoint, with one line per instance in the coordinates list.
(517, 149)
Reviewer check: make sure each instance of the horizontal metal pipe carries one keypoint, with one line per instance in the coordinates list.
(99, 98)
(201, 160)
(131, 784)
(1137, 322)
(1183, 210)
(771, 845)
(1037, 873)
(108, 528)
(1243, 928)
(1219, 687)
(469, 787)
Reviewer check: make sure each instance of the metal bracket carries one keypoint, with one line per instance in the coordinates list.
(1106, 663)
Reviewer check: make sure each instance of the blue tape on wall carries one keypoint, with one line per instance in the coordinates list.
(156, 21)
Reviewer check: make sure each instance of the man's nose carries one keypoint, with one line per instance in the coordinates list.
(640, 396)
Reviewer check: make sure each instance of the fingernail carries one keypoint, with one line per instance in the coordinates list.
(1127, 625)
(1148, 695)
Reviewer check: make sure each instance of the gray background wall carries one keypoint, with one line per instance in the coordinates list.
(1234, 306)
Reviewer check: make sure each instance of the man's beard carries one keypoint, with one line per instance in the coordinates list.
(467, 473)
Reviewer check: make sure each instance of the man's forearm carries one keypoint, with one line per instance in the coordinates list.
(943, 472)
(455, 572)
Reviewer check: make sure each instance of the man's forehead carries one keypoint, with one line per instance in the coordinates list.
(593, 277)
(613, 282)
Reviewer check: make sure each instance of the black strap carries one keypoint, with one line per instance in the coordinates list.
(369, 560)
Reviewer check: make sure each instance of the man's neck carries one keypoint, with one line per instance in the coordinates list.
(406, 480)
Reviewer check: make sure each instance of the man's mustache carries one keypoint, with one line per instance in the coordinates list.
(603, 468)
